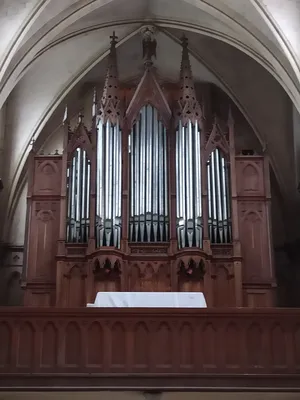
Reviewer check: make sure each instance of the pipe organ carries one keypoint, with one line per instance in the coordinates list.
(153, 197)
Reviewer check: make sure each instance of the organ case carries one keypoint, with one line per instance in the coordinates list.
(152, 198)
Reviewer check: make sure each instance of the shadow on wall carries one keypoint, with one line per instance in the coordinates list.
(287, 265)
(14, 292)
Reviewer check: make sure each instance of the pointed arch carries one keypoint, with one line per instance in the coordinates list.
(149, 92)
(217, 138)
(79, 138)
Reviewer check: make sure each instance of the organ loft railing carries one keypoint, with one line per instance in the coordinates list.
(155, 188)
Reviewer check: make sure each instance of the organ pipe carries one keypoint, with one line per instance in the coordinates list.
(219, 212)
(109, 172)
(149, 187)
(188, 186)
(78, 191)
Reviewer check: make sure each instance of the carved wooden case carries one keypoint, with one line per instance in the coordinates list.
(237, 274)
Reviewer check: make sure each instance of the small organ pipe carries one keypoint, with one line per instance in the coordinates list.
(209, 197)
(78, 184)
(218, 198)
(225, 200)
(88, 188)
(78, 197)
(73, 212)
(84, 172)
(166, 208)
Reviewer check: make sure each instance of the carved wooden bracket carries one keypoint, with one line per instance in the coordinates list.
(107, 270)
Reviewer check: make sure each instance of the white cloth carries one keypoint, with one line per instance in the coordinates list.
(149, 299)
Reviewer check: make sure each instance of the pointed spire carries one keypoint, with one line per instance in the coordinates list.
(110, 101)
(188, 108)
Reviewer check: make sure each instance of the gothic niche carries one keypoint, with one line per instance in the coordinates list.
(191, 275)
(107, 276)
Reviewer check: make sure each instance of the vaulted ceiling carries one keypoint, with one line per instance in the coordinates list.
(250, 48)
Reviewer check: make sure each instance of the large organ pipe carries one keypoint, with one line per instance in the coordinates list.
(78, 176)
(149, 188)
(188, 186)
(109, 170)
(218, 198)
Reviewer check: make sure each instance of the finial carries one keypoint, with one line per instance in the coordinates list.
(188, 108)
(149, 44)
(95, 103)
(33, 144)
(80, 117)
(184, 41)
(110, 101)
(66, 117)
(114, 39)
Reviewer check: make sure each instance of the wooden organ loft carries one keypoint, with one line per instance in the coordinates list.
(153, 197)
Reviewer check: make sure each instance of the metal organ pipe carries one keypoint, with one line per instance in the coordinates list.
(109, 170)
(188, 186)
(78, 189)
(149, 189)
(218, 198)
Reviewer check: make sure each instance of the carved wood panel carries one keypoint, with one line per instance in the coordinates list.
(250, 176)
(147, 276)
(44, 228)
(223, 281)
(254, 240)
(73, 293)
(47, 176)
